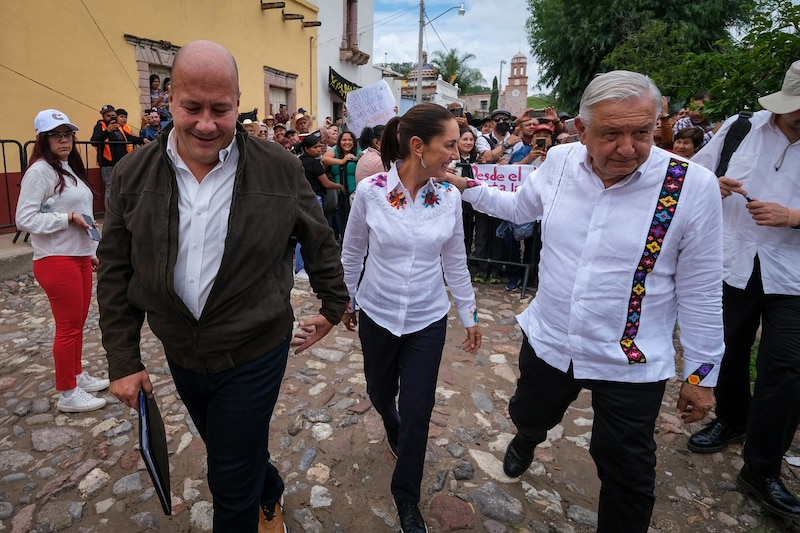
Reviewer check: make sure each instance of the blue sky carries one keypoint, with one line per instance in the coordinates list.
(491, 30)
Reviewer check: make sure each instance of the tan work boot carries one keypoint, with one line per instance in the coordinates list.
(271, 520)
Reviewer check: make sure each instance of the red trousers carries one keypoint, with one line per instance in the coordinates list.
(68, 283)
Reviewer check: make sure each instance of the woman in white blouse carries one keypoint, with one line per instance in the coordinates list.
(411, 225)
(54, 198)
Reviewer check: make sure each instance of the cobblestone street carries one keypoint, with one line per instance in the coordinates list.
(83, 472)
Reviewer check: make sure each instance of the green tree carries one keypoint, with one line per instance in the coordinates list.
(493, 99)
(571, 40)
(454, 68)
(756, 64)
(402, 68)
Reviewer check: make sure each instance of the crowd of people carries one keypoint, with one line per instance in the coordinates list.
(634, 239)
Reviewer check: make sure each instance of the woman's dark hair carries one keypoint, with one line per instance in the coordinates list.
(41, 150)
(340, 150)
(154, 77)
(425, 121)
(473, 154)
(166, 83)
(369, 135)
(691, 133)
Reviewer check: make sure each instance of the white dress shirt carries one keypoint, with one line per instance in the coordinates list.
(410, 243)
(593, 240)
(767, 165)
(203, 210)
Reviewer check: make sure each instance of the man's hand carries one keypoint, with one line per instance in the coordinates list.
(694, 402)
(728, 186)
(769, 213)
(311, 330)
(127, 389)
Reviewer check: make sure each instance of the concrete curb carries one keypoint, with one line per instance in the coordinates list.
(15, 258)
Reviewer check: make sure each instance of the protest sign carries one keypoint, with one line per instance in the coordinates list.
(504, 177)
(369, 106)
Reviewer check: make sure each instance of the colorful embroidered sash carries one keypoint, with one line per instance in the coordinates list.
(665, 210)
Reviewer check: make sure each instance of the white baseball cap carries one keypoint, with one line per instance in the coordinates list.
(50, 119)
(787, 100)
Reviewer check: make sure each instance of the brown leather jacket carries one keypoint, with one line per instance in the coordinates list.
(248, 311)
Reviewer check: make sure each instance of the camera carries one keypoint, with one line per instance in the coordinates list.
(503, 127)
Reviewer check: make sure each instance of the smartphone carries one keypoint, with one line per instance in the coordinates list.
(540, 143)
(92, 229)
(537, 113)
(572, 129)
(458, 112)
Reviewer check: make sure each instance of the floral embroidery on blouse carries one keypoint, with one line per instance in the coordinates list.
(430, 199)
(473, 183)
(447, 186)
(475, 315)
(379, 180)
(396, 199)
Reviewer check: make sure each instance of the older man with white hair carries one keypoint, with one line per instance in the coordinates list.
(632, 244)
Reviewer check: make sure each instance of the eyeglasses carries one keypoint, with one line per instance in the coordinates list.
(59, 135)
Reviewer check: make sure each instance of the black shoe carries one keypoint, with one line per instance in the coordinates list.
(770, 493)
(410, 518)
(715, 437)
(519, 456)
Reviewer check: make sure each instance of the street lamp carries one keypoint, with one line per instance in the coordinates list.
(500, 79)
(422, 25)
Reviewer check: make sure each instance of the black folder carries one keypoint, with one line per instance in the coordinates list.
(153, 445)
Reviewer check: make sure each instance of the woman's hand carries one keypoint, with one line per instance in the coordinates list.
(350, 321)
(454, 179)
(78, 220)
(348, 157)
(473, 340)
(95, 263)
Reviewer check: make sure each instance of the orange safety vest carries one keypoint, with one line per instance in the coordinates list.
(127, 129)
(107, 147)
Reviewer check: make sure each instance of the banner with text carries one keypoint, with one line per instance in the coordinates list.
(340, 85)
(370, 106)
(504, 177)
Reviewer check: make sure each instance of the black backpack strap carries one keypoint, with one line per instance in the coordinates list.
(492, 141)
(733, 139)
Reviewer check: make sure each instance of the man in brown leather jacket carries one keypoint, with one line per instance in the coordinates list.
(198, 239)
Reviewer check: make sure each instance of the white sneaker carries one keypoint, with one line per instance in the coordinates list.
(91, 384)
(301, 275)
(79, 402)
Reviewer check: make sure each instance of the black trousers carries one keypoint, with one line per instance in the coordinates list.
(232, 411)
(771, 416)
(622, 446)
(408, 364)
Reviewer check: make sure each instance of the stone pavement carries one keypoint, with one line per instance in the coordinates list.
(83, 472)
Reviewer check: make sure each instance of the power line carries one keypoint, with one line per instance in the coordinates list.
(135, 85)
(21, 75)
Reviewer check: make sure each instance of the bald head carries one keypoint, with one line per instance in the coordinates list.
(197, 60)
(204, 102)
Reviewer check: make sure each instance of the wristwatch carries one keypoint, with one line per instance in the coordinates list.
(505, 145)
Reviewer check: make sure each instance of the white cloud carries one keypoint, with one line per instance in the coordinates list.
(490, 30)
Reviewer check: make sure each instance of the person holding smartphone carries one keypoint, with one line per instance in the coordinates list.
(55, 195)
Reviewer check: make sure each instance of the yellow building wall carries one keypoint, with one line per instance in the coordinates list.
(73, 56)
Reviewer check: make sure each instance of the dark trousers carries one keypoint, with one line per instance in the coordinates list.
(487, 244)
(408, 364)
(232, 411)
(622, 446)
(771, 416)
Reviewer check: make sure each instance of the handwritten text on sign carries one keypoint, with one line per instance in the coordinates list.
(504, 177)
(369, 106)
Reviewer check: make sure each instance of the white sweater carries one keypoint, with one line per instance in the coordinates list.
(44, 213)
